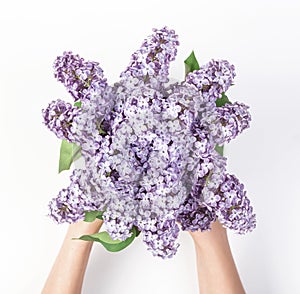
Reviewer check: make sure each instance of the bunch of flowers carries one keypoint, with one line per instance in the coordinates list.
(152, 149)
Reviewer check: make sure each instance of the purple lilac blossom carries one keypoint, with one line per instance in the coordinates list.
(193, 216)
(71, 203)
(148, 147)
(90, 126)
(119, 218)
(144, 156)
(154, 56)
(59, 117)
(233, 209)
(161, 236)
(235, 118)
(80, 77)
(212, 79)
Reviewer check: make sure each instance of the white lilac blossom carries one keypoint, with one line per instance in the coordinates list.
(149, 146)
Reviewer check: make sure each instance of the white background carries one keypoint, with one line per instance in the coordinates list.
(260, 37)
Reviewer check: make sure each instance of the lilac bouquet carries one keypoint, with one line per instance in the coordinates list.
(153, 150)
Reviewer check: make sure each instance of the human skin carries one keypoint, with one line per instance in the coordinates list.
(67, 273)
(217, 272)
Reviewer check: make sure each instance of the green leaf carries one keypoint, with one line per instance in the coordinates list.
(222, 101)
(69, 152)
(100, 215)
(109, 244)
(78, 104)
(219, 103)
(137, 231)
(90, 216)
(191, 63)
(220, 149)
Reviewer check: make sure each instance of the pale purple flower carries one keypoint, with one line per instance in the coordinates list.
(154, 56)
(59, 117)
(235, 118)
(80, 77)
(212, 79)
(193, 216)
(71, 203)
(234, 210)
(160, 236)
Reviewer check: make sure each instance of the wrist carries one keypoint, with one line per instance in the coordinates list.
(216, 236)
(84, 228)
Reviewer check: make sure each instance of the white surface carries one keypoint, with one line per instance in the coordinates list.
(261, 38)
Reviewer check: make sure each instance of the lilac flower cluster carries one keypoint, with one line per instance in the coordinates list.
(234, 118)
(194, 216)
(149, 147)
(154, 56)
(59, 117)
(89, 126)
(72, 202)
(234, 209)
(162, 237)
(212, 79)
(80, 77)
